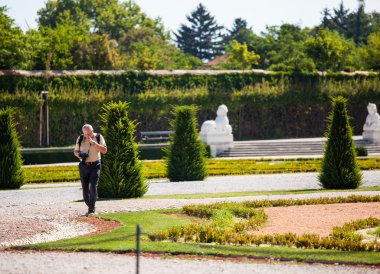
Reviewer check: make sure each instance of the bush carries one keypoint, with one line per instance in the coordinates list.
(361, 151)
(185, 159)
(11, 174)
(340, 169)
(121, 174)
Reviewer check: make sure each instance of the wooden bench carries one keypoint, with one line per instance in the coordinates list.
(155, 136)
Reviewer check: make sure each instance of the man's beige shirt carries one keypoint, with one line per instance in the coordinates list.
(92, 150)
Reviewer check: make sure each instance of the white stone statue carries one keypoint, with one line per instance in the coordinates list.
(220, 124)
(371, 127)
(373, 118)
(217, 133)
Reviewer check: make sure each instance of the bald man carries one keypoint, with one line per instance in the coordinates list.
(88, 148)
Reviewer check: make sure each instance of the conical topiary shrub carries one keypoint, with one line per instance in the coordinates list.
(185, 160)
(121, 174)
(11, 174)
(339, 169)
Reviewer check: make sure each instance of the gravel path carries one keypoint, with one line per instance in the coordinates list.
(33, 215)
(98, 263)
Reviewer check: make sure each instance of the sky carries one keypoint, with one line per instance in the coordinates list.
(257, 13)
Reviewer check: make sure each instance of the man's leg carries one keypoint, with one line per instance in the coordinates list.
(94, 179)
(84, 173)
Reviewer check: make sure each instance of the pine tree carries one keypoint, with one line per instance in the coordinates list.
(203, 38)
(339, 169)
(185, 159)
(11, 174)
(121, 174)
(240, 32)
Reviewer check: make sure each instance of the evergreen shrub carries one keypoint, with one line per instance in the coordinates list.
(185, 156)
(340, 169)
(11, 174)
(361, 151)
(121, 174)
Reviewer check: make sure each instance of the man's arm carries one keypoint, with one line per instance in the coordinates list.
(100, 147)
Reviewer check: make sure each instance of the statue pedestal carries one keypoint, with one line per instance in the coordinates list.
(372, 136)
(218, 141)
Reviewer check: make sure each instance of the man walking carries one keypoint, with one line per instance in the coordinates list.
(88, 149)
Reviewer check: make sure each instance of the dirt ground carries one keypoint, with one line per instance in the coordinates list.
(316, 219)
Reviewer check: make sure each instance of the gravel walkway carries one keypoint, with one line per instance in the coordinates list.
(98, 263)
(33, 215)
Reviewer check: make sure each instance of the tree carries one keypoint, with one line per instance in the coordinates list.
(328, 50)
(359, 25)
(143, 50)
(101, 16)
(203, 39)
(339, 168)
(239, 32)
(185, 159)
(11, 42)
(11, 174)
(239, 57)
(121, 174)
(373, 50)
(356, 25)
(97, 52)
(284, 48)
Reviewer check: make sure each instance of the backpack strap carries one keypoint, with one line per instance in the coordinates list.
(80, 140)
(101, 154)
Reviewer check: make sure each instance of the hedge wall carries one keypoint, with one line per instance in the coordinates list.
(261, 106)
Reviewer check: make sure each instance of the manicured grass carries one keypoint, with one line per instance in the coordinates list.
(215, 167)
(122, 239)
(377, 231)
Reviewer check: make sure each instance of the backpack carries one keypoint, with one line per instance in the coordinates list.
(97, 139)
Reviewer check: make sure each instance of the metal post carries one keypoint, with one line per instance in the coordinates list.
(47, 120)
(138, 233)
(41, 119)
(44, 118)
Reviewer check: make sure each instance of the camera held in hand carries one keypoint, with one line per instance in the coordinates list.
(83, 155)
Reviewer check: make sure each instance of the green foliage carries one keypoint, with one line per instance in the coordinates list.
(373, 49)
(217, 228)
(186, 152)
(356, 25)
(215, 167)
(11, 174)
(376, 231)
(361, 151)
(121, 175)
(12, 47)
(339, 169)
(328, 50)
(220, 225)
(285, 49)
(240, 57)
(103, 16)
(203, 38)
(283, 105)
(240, 32)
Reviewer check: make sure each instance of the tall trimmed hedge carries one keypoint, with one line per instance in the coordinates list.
(11, 174)
(340, 169)
(121, 174)
(261, 106)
